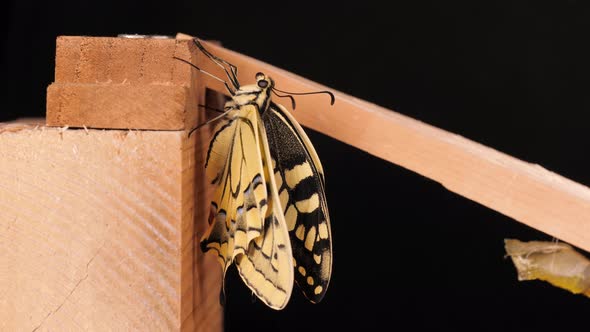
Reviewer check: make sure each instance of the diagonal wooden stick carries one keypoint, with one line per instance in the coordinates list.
(526, 192)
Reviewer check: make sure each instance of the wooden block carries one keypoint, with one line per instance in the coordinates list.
(123, 83)
(139, 106)
(97, 231)
(117, 60)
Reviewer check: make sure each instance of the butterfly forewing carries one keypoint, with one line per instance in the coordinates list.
(248, 226)
(240, 199)
(300, 185)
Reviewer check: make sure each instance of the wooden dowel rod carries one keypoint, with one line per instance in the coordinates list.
(526, 192)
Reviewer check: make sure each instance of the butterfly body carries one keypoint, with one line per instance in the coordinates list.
(268, 213)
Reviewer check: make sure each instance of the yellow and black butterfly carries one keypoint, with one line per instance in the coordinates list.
(269, 213)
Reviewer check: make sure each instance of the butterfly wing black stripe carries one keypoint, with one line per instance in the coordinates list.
(300, 182)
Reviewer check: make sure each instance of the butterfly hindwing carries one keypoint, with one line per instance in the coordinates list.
(300, 183)
(268, 266)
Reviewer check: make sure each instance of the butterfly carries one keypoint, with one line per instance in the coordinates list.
(268, 213)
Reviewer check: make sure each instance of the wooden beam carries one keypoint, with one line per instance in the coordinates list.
(526, 192)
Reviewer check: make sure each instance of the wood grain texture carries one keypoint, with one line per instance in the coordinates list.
(97, 232)
(526, 192)
(136, 83)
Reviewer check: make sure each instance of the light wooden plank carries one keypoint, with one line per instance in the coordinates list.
(526, 192)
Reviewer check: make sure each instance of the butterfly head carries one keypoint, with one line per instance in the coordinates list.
(264, 82)
(265, 85)
(258, 93)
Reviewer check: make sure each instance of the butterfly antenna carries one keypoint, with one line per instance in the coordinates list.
(232, 74)
(209, 108)
(285, 96)
(332, 98)
(208, 122)
(206, 73)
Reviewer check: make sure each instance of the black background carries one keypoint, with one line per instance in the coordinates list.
(408, 254)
